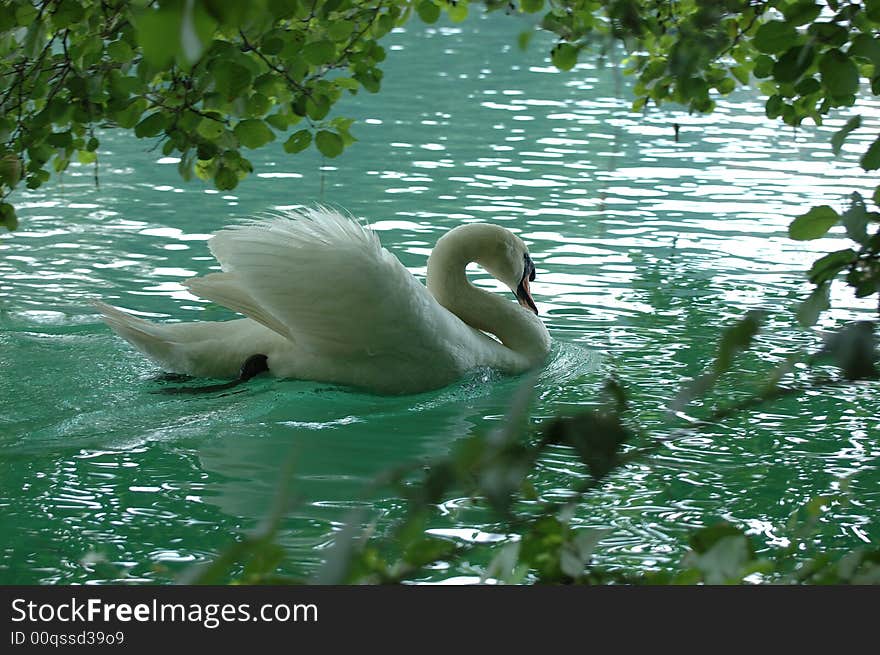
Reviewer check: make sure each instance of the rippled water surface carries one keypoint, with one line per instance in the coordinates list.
(644, 246)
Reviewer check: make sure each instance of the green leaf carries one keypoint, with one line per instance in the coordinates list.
(503, 565)
(298, 141)
(8, 219)
(774, 107)
(61, 162)
(253, 133)
(317, 106)
(800, 12)
(867, 47)
(10, 169)
(258, 105)
(225, 178)
(837, 140)
(383, 25)
(264, 559)
(726, 86)
(347, 83)
(282, 120)
(794, 63)
(66, 13)
(231, 79)
(157, 33)
(329, 144)
(60, 139)
(807, 86)
(540, 546)
(457, 12)
(826, 268)
(531, 6)
(318, 53)
(428, 550)
(725, 562)
(775, 36)
(828, 33)
(736, 339)
(704, 539)
(809, 310)
(741, 73)
(207, 150)
(871, 159)
(370, 79)
(840, 75)
(298, 69)
(856, 219)
(814, 224)
(854, 349)
(564, 56)
(25, 13)
(872, 9)
(283, 8)
(428, 11)
(763, 67)
(151, 125)
(340, 30)
(596, 436)
(7, 21)
(864, 282)
(129, 116)
(120, 51)
(329, 7)
(210, 129)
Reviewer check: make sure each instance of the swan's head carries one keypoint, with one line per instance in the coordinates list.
(522, 271)
(506, 257)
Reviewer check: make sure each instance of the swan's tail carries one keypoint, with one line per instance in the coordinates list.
(154, 340)
(214, 349)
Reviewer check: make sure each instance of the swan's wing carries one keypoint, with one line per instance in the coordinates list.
(226, 289)
(324, 281)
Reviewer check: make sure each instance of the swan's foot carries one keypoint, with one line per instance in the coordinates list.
(252, 367)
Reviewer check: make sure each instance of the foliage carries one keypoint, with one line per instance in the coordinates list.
(861, 262)
(209, 79)
(544, 544)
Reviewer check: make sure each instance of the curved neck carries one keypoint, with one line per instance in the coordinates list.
(517, 328)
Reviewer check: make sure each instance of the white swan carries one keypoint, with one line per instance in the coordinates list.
(325, 301)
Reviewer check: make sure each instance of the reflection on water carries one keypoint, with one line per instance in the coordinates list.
(644, 247)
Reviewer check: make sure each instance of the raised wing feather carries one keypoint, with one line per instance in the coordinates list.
(325, 282)
(225, 289)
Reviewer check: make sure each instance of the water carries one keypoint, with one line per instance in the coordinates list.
(645, 247)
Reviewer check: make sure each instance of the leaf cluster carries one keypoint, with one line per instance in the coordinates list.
(543, 543)
(208, 79)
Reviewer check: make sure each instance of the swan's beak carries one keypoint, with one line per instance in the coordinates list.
(523, 295)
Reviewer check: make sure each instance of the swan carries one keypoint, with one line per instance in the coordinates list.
(324, 301)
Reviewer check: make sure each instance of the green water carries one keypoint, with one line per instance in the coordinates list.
(645, 247)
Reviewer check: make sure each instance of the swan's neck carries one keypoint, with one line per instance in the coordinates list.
(517, 328)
